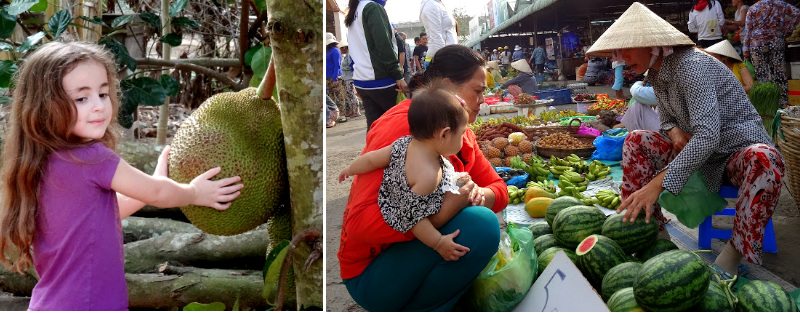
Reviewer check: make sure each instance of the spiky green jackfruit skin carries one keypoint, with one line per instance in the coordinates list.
(242, 134)
(279, 227)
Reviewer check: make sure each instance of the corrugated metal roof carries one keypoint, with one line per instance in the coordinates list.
(530, 9)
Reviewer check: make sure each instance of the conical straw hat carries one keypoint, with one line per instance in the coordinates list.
(493, 64)
(725, 48)
(522, 66)
(638, 27)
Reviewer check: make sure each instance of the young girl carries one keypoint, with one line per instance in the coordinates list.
(64, 188)
(417, 173)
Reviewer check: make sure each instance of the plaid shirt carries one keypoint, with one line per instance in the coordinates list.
(701, 96)
(768, 21)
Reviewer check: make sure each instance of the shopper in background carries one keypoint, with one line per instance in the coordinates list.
(351, 102)
(706, 19)
(768, 22)
(419, 52)
(518, 54)
(376, 71)
(333, 58)
(538, 58)
(439, 24)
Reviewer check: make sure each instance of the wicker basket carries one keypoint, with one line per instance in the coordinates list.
(584, 153)
(789, 144)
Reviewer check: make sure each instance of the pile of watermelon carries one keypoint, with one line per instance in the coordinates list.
(634, 270)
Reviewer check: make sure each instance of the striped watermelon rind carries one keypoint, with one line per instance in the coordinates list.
(658, 247)
(544, 242)
(597, 254)
(672, 281)
(715, 300)
(631, 236)
(575, 223)
(557, 205)
(540, 228)
(546, 257)
(618, 277)
(764, 296)
(623, 301)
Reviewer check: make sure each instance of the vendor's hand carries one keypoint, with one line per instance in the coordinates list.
(162, 166)
(449, 249)
(679, 138)
(401, 85)
(642, 199)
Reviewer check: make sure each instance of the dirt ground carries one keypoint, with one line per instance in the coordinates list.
(345, 141)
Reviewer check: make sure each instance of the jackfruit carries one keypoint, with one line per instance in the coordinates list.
(242, 134)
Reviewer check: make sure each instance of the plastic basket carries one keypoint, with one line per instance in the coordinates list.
(559, 96)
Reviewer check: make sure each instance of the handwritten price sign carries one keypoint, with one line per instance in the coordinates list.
(561, 288)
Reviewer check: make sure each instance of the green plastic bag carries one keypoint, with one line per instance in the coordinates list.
(505, 281)
(400, 97)
(750, 68)
(694, 203)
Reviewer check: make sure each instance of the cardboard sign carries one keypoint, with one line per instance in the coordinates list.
(561, 288)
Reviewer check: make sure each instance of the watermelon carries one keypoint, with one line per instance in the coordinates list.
(547, 255)
(715, 300)
(573, 224)
(632, 237)
(559, 204)
(623, 301)
(672, 281)
(658, 247)
(543, 242)
(540, 228)
(596, 255)
(618, 277)
(764, 296)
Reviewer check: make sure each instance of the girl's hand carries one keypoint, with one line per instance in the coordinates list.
(162, 167)
(679, 138)
(449, 249)
(215, 194)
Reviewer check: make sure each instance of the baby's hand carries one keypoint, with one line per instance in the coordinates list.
(343, 175)
(215, 194)
(449, 249)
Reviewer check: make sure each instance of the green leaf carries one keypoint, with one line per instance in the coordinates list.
(120, 52)
(176, 7)
(41, 6)
(7, 24)
(152, 19)
(184, 22)
(19, 6)
(259, 64)
(170, 85)
(236, 303)
(94, 20)
(273, 269)
(7, 70)
(144, 91)
(59, 22)
(248, 56)
(172, 39)
(122, 20)
(213, 306)
(261, 5)
(30, 42)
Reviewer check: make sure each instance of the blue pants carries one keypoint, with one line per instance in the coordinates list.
(619, 79)
(410, 276)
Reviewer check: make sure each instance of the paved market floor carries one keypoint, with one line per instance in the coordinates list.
(345, 141)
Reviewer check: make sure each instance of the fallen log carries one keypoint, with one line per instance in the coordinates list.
(243, 251)
(171, 292)
(141, 228)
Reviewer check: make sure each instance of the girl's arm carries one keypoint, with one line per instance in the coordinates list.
(136, 189)
(442, 244)
(747, 80)
(367, 162)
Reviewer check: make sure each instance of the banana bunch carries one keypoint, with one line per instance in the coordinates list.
(515, 195)
(547, 185)
(605, 198)
(577, 163)
(598, 170)
(572, 184)
(538, 170)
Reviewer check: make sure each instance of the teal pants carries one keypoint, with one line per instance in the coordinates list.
(410, 276)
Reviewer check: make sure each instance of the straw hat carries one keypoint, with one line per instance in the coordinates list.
(342, 44)
(493, 64)
(517, 48)
(522, 66)
(330, 38)
(638, 27)
(725, 48)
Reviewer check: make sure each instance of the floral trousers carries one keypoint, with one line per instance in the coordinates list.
(768, 61)
(757, 169)
(343, 93)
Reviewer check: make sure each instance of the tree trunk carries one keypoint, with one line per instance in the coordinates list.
(246, 250)
(166, 49)
(171, 292)
(296, 40)
(141, 228)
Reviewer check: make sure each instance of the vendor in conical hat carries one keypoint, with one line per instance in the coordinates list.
(493, 73)
(708, 125)
(524, 78)
(725, 53)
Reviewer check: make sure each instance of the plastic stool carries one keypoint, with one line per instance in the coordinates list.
(707, 231)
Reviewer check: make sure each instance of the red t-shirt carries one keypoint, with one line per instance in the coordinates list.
(364, 232)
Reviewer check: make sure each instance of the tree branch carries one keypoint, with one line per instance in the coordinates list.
(182, 65)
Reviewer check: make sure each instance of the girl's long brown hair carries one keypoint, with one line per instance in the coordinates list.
(41, 121)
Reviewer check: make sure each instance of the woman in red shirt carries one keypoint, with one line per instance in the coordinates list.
(386, 270)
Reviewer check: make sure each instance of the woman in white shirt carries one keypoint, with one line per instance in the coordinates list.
(706, 19)
(439, 24)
